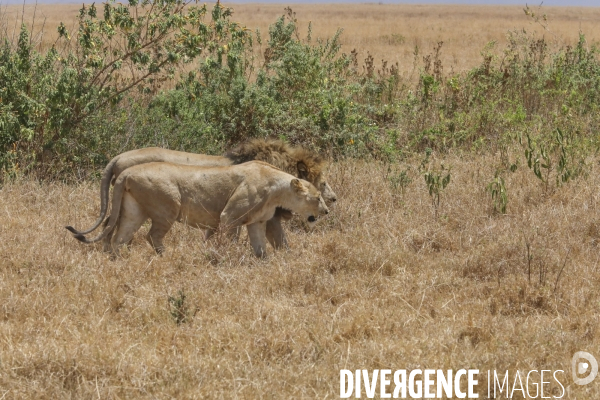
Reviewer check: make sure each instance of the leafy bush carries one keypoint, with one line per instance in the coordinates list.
(58, 110)
(299, 94)
(54, 96)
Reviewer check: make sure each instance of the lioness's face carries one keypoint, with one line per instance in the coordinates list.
(309, 202)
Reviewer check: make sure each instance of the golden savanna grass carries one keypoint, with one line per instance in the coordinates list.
(388, 32)
(384, 281)
(381, 283)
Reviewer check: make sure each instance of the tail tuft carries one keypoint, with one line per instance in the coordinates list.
(77, 235)
(81, 238)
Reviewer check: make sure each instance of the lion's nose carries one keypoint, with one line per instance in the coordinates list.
(327, 211)
(312, 218)
(334, 200)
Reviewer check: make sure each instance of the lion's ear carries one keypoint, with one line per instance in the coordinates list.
(302, 170)
(297, 185)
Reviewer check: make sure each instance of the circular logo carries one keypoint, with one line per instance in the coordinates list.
(580, 367)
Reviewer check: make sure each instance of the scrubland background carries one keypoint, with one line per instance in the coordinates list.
(388, 32)
(465, 234)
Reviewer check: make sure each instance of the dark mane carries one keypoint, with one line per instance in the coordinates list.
(297, 161)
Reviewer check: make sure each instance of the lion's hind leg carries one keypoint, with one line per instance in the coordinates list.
(131, 218)
(107, 241)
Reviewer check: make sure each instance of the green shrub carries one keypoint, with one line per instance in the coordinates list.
(55, 96)
(75, 109)
(300, 94)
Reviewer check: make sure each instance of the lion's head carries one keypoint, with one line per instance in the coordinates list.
(308, 201)
(298, 161)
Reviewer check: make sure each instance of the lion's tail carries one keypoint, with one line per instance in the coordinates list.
(114, 215)
(107, 176)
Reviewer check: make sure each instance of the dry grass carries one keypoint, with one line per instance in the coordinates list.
(381, 283)
(391, 31)
(388, 32)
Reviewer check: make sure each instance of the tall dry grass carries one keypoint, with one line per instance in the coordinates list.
(386, 31)
(381, 283)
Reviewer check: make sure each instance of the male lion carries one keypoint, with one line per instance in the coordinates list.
(205, 197)
(294, 160)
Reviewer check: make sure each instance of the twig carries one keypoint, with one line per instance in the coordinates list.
(23, 13)
(15, 27)
(33, 23)
(561, 270)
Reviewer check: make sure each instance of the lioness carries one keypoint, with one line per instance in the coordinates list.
(294, 160)
(205, 197)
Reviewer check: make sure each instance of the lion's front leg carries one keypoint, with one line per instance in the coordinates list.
(275, 233)
(258, 239)
(157, 232)
(210, 232)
